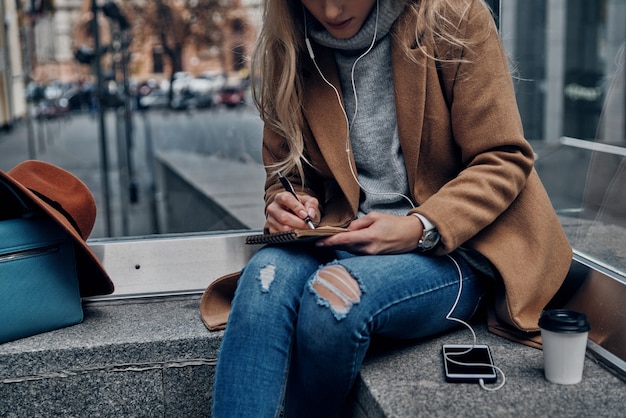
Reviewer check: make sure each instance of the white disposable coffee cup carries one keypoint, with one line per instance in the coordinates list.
(564, 338)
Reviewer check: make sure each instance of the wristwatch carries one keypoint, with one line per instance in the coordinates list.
(430, 237)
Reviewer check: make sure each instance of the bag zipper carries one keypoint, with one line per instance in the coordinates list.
(18, 255)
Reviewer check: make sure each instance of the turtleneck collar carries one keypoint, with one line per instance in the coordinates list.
(388, 12)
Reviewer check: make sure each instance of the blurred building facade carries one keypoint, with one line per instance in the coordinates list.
(567, 55)
(52, 36)
(39, 39)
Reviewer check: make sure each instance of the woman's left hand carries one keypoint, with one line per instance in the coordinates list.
(378, 233)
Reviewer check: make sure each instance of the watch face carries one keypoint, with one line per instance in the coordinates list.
(429, 240)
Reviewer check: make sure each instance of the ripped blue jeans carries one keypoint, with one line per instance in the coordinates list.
(302, 319)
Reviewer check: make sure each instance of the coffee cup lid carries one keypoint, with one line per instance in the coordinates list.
(564, 320)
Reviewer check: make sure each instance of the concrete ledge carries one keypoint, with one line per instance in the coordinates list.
(407, 380)
(155, 358)
(194, 198)
(136, 358)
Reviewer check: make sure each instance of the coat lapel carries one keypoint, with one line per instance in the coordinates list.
(327, 121)
(409, 79)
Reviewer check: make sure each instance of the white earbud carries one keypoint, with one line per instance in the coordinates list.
(309, 47)
(306, 36)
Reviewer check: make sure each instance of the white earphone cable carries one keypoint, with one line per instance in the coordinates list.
(460, 321)
(356, 103)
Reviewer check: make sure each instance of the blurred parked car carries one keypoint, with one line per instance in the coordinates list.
(80, 98)
(188, 92)
(51, 108)
(34, 92)
(180, 82)
(207, 82)
(232, 96)
(156, 98)
(54, 90)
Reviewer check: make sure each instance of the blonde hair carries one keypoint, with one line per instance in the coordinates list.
(275, 68)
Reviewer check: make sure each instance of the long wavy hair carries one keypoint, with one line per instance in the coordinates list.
(275, 62)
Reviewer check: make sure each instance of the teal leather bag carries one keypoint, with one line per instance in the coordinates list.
(38, 279)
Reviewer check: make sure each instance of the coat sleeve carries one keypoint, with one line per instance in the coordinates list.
(494, 202)
(495, 160)
(274, 151)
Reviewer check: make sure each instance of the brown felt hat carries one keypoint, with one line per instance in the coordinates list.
(67, 200)
(216, 301)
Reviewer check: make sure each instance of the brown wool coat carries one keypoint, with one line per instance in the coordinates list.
(469, 167)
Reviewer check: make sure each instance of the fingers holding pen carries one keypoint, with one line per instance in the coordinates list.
(302, 213)
(287, 212)
(301, 205)
(311, 208)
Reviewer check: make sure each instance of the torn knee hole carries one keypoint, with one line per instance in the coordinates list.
(266, 277)
(336, 285)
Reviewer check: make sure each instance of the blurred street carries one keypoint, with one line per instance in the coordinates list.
(73, 143)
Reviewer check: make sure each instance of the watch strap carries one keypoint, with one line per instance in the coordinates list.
(425, 222)
(430, 236)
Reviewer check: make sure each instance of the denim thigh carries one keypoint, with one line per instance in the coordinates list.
(401, 296)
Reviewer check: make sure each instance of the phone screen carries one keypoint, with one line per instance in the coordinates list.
(475, 363)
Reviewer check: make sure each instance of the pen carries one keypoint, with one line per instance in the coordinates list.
(287, 185)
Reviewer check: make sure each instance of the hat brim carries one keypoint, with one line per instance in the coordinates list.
(93, 280)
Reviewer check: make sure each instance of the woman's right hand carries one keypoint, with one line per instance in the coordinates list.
(286, 212)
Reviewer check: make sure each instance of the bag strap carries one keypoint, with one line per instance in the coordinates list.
(27, 211)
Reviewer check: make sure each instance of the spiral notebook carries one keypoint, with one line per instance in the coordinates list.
(297, 235)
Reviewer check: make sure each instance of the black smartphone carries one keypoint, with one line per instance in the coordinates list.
(468, 364)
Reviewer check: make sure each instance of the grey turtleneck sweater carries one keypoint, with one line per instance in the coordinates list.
(373, 130)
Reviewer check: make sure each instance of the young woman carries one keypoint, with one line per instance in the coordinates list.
(398, 120)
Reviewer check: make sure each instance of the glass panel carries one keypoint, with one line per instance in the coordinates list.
(569, 67)
(161, 127)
